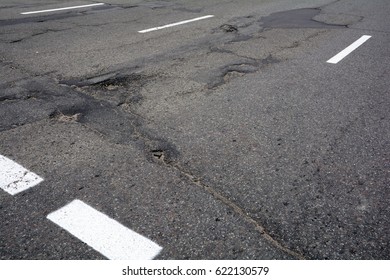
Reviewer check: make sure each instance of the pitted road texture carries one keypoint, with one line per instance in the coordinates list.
(229, 137)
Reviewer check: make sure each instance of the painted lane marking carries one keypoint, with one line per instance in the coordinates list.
(105, 235)
(14, 178)
(61, 9)
(341, 55)
(174, 24)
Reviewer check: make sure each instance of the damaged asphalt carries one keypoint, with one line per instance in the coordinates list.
(229, 138)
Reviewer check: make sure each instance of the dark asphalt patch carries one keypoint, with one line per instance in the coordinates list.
(38, 19)
(300, 18)
(37, 99)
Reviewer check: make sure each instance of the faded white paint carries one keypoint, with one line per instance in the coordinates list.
(14, 178)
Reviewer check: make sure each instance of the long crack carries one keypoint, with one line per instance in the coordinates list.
(160, 156)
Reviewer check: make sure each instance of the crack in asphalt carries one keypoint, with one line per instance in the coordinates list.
(14, 98)
(159, 155)
(226, 73)
(155, 148)
(107, 6)
(37, 34)
(233, 31)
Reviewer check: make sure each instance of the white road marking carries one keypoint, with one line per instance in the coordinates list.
(105, 235)
(61, 9)
(341, 55)
(14, 178)
(174, 24)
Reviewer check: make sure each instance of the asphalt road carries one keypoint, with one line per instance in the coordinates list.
(227, 137)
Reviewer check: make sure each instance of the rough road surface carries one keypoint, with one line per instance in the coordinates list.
(228, 137)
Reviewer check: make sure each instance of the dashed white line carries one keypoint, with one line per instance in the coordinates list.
(175, 24)
(61, 9)
(341, 55)
(105, 235)
(14, 178)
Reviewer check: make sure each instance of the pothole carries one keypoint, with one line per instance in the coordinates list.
(115, 83)
(228, 28)
(118, 89)
(158, 154)
(61, 117)
(162, 151)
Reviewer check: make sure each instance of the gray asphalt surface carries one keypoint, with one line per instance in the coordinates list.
(225, 138)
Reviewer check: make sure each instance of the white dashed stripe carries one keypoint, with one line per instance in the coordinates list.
(14, 178)
(105, 235)
(62, 9)
(175, 24)
(341, 55)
